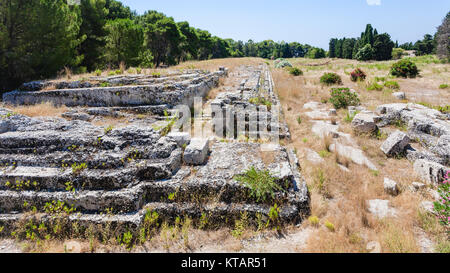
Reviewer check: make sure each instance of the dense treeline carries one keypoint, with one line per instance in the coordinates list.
(40, 38)
(374, 46)
(370, 46)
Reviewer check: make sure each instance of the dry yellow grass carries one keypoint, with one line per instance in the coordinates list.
(45, 109)
(340, 197)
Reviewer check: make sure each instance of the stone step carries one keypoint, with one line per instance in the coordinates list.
(123, 201)
(216, 215)
(56, 179)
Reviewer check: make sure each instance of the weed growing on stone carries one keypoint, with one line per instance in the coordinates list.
(261, 183)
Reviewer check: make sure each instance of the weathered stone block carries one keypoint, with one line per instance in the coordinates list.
(196, 152)
(181, 138)
(391, 187)
(395, 144)
(364, 123)
(430, 172)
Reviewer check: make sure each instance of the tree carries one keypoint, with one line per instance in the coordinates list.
(190, 45)
(347, 48)
(425, 46)
(39, 46)
(382, 47)
(162, 38)
(365, 53)
(442, 38)
(332, 48)
(316, 53)
(124, 42)
(92, 32)
(116, 10)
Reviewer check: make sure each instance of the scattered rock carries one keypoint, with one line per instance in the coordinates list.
(355, 154)
(196, 152)
(332, 112)
(313, 157)
(416, 186)
(391, 187)
(364, 123)
(381, 208)
(395, 144)
(373, 247)
(399, 95)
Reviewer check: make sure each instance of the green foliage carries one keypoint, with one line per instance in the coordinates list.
(261, 183)
(281, 63)
(124, 42)
(442, 40)
(314, 221)
(37, 39)
(398, 53)
(357, 75)
(442, 206)
(349, 117)
(365, 53)
(404, 68)
(330, 226)
(295, 71)
(443, 86)
(316, 53)
(330, 79)
(261, 101)
(392, 85)
(343, 97)
(108, 129)
(374, 86)
(77, 168)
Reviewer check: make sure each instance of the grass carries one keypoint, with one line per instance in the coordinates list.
(45, 109)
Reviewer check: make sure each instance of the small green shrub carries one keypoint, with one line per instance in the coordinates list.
(330, 226)
(374, 86)
(330, 79)
(98, 72)
(261, 101)
(442, 206)
(295, 71)
(392, 85)
(443, 86)
(281, 63)
(357, 75)
(261, 183)
(349, 117)
(156, 75)
(314, 221)
(343, 97)
(138, 70)
(398, 53)
(404, 68)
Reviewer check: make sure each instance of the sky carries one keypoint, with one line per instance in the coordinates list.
(312, 22)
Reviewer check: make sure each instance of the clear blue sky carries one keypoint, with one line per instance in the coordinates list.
(311, 22)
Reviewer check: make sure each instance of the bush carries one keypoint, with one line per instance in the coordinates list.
(357, 75)
(261, 183)
(442, 207)
(392, 85)
(374, 86)
(330, 79)
(398, 53)
(404, 68)
(295, 71)
(343, 97)
(281, 63)
(443, 86)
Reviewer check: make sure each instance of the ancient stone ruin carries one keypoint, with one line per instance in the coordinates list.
(117, 175)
